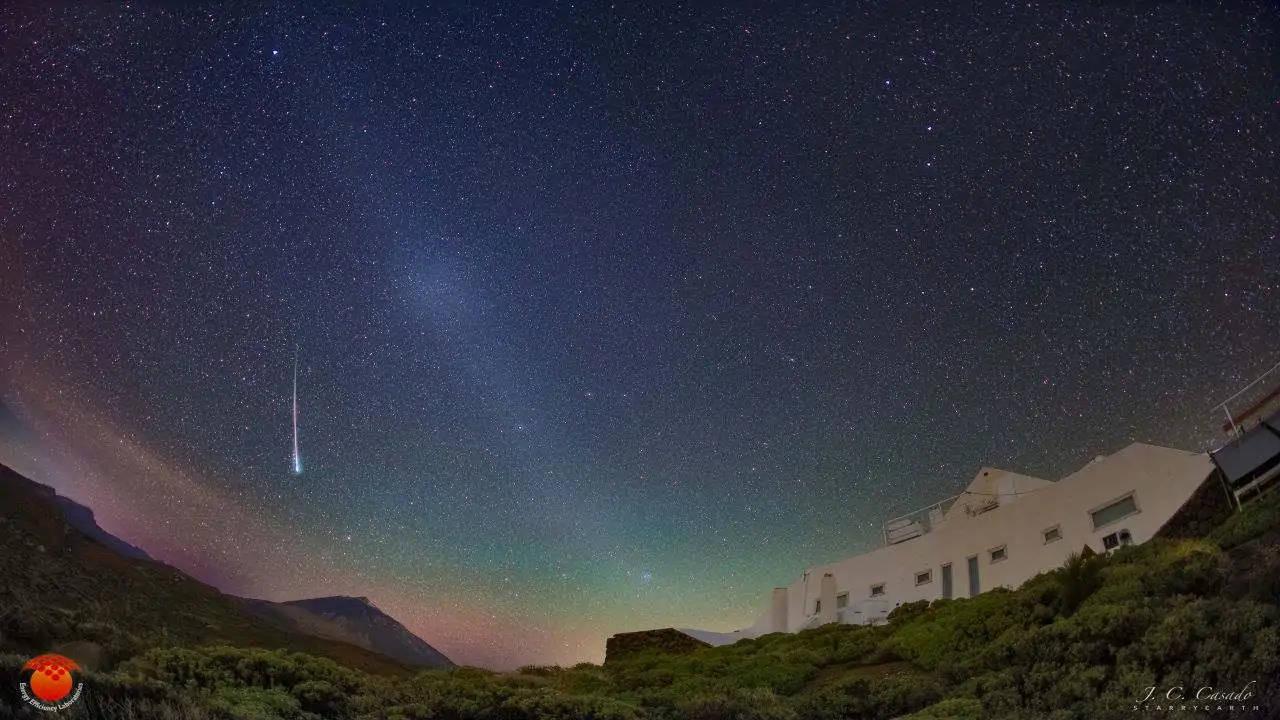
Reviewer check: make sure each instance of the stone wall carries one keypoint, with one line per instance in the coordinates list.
(1207, 508)
(668, 641)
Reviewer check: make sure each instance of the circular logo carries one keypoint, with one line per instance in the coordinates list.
(51, 682)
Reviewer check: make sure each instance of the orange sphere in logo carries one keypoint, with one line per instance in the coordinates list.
(51, 680)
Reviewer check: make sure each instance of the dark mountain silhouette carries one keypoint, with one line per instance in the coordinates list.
(381, 632)
(81, 518)
(353, 620)
(62, 584)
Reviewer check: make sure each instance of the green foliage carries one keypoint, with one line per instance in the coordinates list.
(60, 586)
(737, 704)
(1079, 578)
(903, 614)
(1258, 518)
(906, 692)
(222, 667)
(106, 697)
(958, 628)
(869, 696)
(27, 628)
(585, 679)
(321, 697)
(1084, 640)
(1209, 641)
(849, 698)
(951, 709)
(254, 703)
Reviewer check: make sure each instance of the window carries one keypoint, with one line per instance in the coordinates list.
(1113, 511)
(998, 554)
(1111, 542)
(817, 606)
(1053, 534)
(924, 577)
(877, 589)
(842, 601)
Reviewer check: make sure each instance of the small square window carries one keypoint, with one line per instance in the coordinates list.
(877, 589)
(998, 554)
(1053, 534)
(842, 601)
(1111, 542)
(924, 577)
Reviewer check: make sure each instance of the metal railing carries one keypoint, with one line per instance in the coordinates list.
(1260, 403)
(922, 519)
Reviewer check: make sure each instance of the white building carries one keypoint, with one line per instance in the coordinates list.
(1004, 529)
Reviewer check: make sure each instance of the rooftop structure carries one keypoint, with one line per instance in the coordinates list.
(1250, 460)
(1005, 527)
(1002, 530)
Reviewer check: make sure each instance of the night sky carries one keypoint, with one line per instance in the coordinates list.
(612, 318)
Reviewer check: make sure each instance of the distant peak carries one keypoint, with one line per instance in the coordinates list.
(338, 601)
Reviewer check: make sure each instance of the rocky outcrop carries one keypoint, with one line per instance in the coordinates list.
(669, 641)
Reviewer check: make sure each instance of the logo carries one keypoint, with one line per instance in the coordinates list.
(1201, 699)
(51, 682)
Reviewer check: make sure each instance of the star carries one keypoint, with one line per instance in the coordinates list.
(606, 299)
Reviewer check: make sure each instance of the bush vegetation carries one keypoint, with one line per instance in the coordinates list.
(1085, 640)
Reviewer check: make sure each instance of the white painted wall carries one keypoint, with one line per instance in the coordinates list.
(1162, 479)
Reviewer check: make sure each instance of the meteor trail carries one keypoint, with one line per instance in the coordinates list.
(297, 459)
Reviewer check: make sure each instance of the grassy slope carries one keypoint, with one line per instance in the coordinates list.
(60, 585)
(1083, 641)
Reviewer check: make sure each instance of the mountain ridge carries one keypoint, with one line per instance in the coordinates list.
(105, 594)
(379, 631)
(82, 518)
(356, 620)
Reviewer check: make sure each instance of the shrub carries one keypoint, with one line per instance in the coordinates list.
(1208, 642)
(952, 709)
(905, 692)
(960, 628)
(320, 697)
(1080, 577)
(738, 704)
(542, 705)
(904, 613)
(256, 704)
(1253, 521)
(585, 680)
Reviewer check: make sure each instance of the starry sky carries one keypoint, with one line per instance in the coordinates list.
(612, 317)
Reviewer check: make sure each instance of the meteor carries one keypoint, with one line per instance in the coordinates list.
(297, 459)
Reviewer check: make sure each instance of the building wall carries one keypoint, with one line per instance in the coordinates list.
(1208, 508)
(1162, 479)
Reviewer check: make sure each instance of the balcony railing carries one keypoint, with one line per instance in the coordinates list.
(917, 522)
(1251, 403)
(922, 522)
